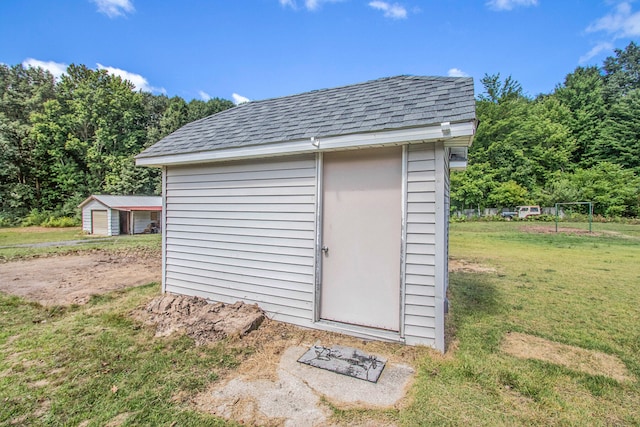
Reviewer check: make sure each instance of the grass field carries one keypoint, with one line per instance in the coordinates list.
(579, 290)
(93, 363)
(26, 235)
(11, 240)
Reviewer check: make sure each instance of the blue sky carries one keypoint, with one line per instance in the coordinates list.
(258, 49)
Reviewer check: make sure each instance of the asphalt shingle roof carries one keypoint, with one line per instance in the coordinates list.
(127, 201)
(377, 105)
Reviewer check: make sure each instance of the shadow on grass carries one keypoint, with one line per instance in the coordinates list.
(473, 300)
(473, 294)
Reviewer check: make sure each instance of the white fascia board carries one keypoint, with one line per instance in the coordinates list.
(461, 134)
(464, 135)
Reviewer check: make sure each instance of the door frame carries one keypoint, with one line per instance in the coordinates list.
(318, 252)
(128, 219)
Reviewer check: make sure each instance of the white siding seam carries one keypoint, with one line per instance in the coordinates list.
(239, 262)
(238, 247)
(270, 297)
(249, 272)
(219, 239)
(299, 259)
(296, 289)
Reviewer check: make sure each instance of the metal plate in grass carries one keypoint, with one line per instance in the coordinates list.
(346, 361)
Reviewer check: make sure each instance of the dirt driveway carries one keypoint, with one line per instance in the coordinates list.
(72, 279)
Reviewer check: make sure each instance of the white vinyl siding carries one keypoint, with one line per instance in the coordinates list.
(114, 221)
(420, 270)
(244, 231)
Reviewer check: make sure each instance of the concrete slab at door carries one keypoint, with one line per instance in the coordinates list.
(362, 229)
(99, 223)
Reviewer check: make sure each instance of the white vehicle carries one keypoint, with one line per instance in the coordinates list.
(522, 212)
(526, 211)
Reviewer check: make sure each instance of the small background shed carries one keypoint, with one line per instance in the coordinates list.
(114, 215)
(329, 209)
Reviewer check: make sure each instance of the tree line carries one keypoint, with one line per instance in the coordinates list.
(64, 139)
(579, 143)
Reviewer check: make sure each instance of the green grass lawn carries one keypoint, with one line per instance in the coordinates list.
(25, 235)
(579, 290)
(94, 363)
(65, 366)
(10, 237)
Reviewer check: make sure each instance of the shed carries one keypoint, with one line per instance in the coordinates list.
(329, 209)
(114, 215)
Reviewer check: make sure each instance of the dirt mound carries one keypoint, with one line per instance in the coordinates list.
(200, 320)
(551, 229)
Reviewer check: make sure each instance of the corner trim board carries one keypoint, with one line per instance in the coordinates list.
(318, 252)
(441, 261)
(164, 229)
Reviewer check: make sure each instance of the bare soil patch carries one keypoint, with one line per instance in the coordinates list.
(464, 266)
(74, 278)
(551, 229)
(269, 387)
(194, 316)
(579, 359)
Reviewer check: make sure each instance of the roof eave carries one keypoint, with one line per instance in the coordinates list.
(137, 208)
(87, 200)
(454, 134)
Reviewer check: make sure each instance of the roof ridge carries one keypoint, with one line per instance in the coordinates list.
(318, 91)
(349, 85)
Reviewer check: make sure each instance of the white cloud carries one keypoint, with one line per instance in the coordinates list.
(621, 23)
(595, 51)
(308, 4)
(239, 99)
(55, 68)
(138, 81)
(204, 95)
(456, 72)
(114, 8)
(510, 4)
(394, 11)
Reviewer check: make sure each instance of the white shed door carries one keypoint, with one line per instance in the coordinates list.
(99, 222)
(362, 230)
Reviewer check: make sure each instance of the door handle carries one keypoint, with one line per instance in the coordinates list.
(325, 250)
